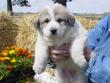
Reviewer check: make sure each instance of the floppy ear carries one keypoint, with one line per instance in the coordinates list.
(71, 20)
(37, 23)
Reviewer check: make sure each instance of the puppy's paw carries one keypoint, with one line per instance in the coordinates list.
(34, 67)
(81, 62)
(38, 70)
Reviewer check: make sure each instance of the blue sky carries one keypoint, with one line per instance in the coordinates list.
(76, 6)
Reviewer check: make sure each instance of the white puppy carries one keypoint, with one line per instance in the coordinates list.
(55, 27)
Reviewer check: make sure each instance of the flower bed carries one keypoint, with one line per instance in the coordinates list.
(15, 61)
(18, 75)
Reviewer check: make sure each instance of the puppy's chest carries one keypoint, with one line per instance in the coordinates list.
(68, 65)
(68, 68)
(59, 42)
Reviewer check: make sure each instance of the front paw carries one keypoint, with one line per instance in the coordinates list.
(80, 62)
(34, 67)
(38, 70)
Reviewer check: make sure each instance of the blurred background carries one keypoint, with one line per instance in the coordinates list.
(16, 29)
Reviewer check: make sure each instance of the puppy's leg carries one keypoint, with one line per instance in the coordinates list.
(41, 56)
(77, 49)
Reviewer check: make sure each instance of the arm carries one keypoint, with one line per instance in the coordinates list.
(96, 34)
(56, 56)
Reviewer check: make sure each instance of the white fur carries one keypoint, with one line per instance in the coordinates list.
(71, 71)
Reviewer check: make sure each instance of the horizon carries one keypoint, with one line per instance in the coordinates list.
(75, 6)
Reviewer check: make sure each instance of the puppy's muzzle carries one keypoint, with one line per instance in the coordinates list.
(53, 31)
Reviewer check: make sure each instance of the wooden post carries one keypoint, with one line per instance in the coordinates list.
(9, 7)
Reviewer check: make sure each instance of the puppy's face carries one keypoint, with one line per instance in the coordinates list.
(54, 22)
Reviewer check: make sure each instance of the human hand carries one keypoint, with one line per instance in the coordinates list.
(58, 54)
(87, 53)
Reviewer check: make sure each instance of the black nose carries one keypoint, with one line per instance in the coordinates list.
(53, 31)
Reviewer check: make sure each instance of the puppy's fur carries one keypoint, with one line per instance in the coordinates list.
(55, 27)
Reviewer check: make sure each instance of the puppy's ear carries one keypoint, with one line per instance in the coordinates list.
(71, 20)
(37, 23)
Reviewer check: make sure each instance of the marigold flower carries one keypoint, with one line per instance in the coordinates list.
(17, 49)
(18, 53)
(7, 58)
(2, 59)
(10, 67)
(11, 51)
(4, 53)
(29, 56)
(13, 60)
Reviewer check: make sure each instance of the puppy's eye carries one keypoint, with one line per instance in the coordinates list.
(46, 20)
(59, 20)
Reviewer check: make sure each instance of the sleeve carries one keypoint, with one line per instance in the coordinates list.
(95, 35)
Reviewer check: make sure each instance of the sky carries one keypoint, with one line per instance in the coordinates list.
(76, 6)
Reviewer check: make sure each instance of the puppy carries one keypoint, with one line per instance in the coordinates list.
(57, 26)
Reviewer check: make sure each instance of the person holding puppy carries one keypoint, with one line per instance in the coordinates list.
(97, 52)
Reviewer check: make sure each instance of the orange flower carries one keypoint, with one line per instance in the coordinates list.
(10, 67)
(29, 56)
(4, 53)
(18, 54)
(17, 49)
(24, 52)
(2, 59)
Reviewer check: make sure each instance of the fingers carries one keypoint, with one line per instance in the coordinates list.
(57, 59)
(58, 54)
(87, 53)
(57, 50)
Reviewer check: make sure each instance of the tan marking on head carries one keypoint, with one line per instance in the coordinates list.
(61, 12)
(43, 15)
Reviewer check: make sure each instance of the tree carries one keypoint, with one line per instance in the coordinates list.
(63, 2)
(21, 3)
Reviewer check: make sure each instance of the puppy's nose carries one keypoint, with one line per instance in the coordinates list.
(53, 31)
